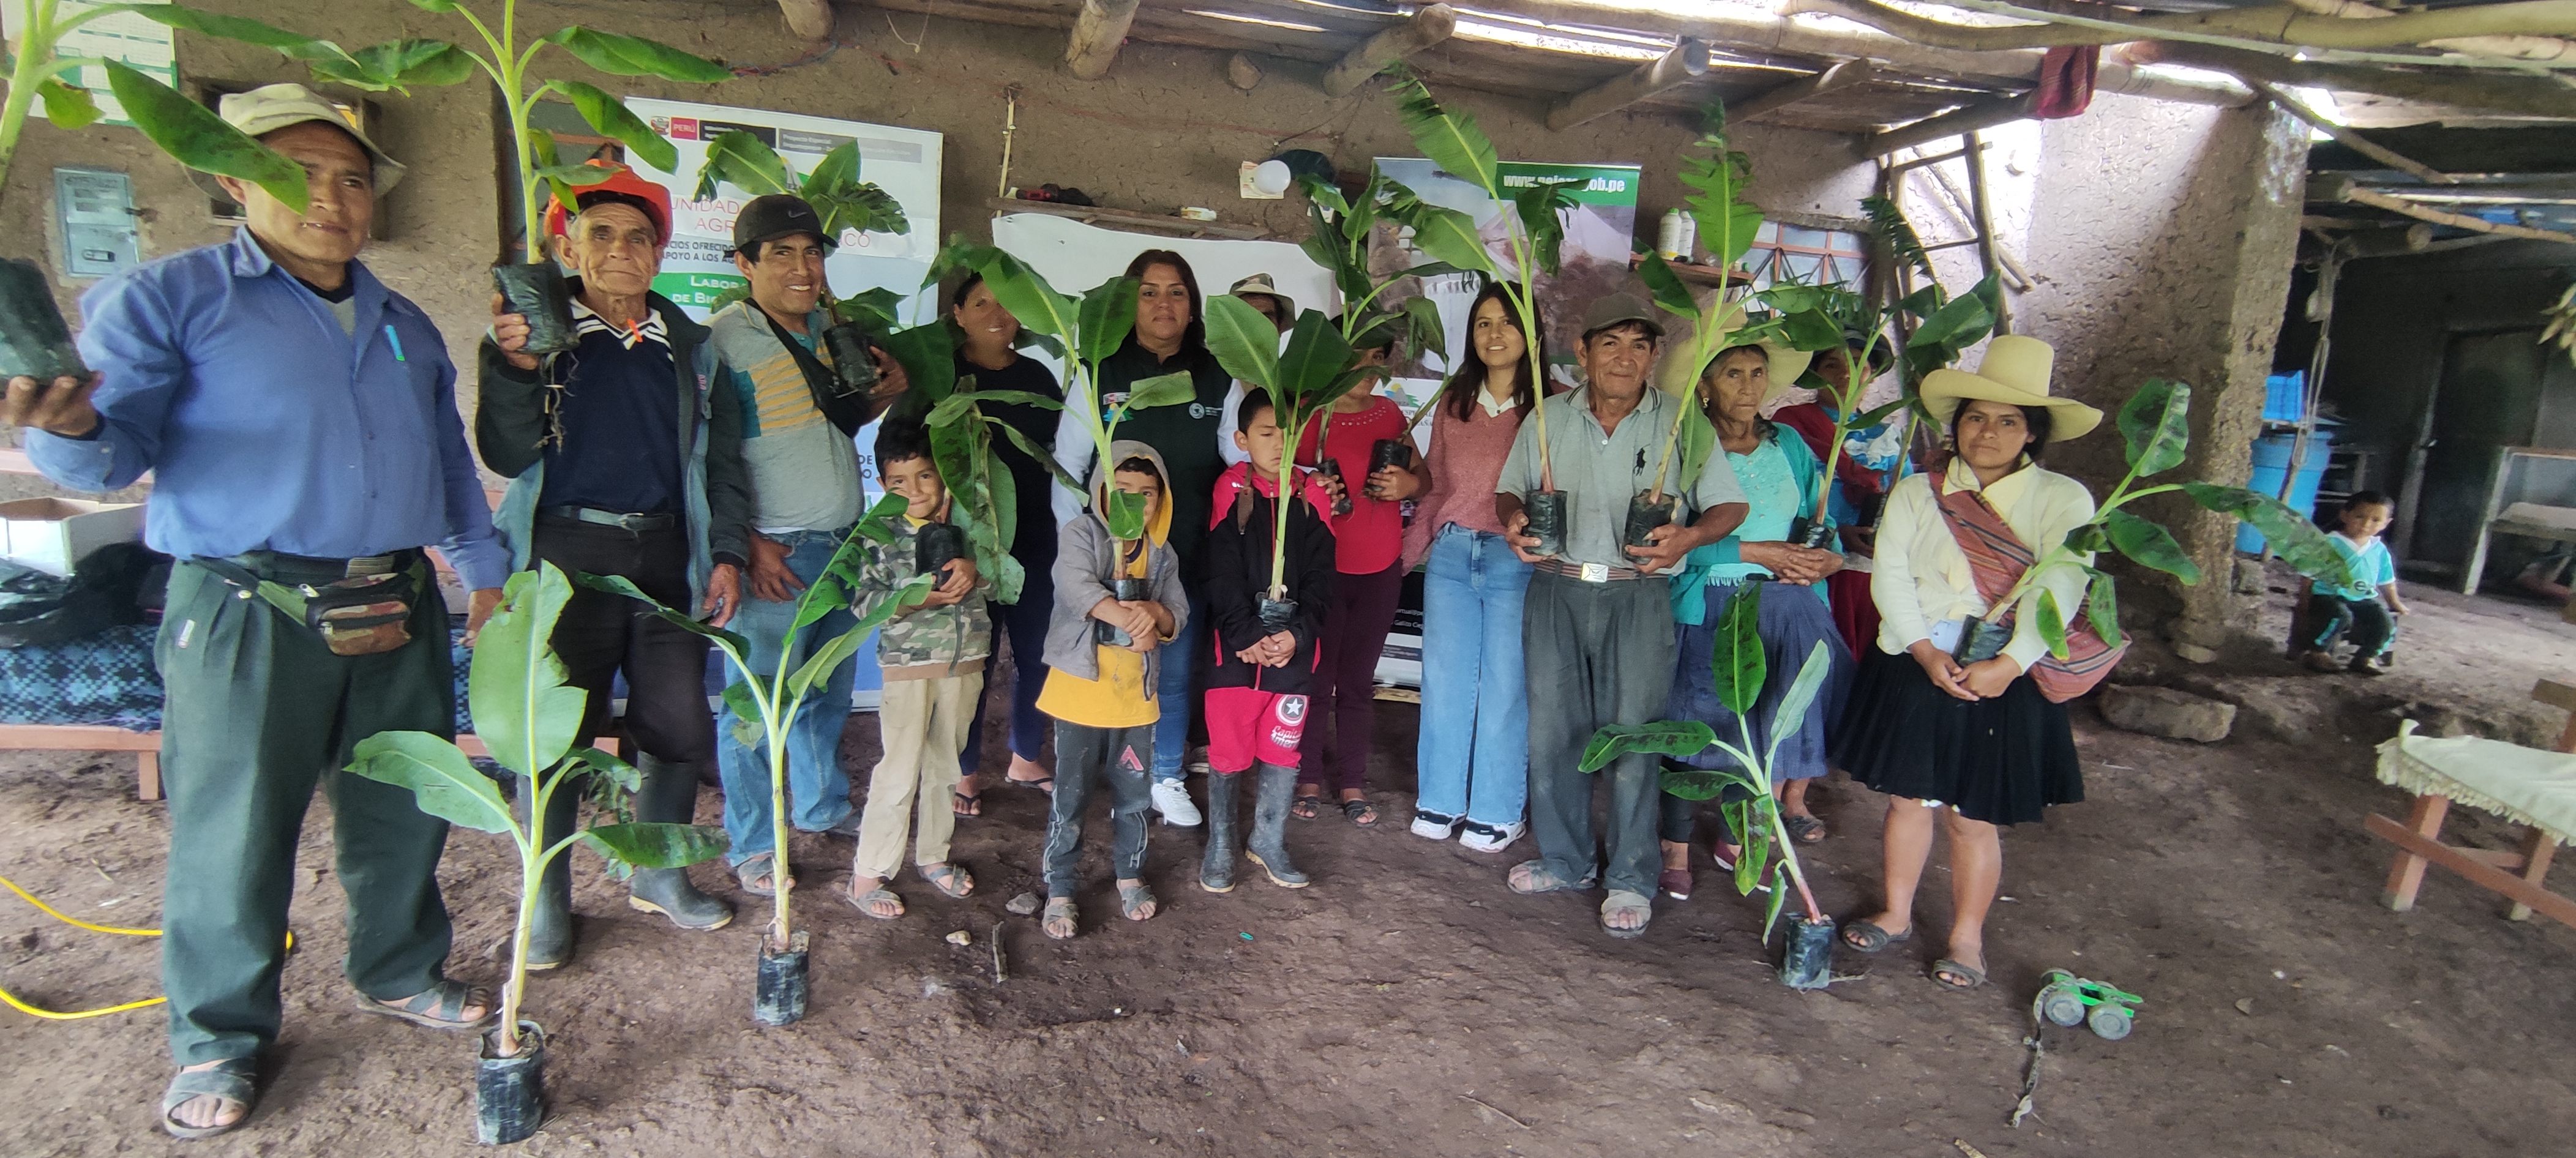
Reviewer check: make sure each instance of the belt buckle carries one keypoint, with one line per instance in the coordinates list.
(1595, 573)
(367, 566)
(633, 524)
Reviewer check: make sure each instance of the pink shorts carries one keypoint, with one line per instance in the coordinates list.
(1248, 724)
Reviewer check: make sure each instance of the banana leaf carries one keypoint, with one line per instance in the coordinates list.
(1244, 341)
(2149, 545)
(656, 845)
(619, 55)
(442, 781)
(612, 118)
(1737, 661)
(2156, 422)
(1662, 738)
(1108, 316)
(1452, 140)
(194, 136)
(2291, 536)
(515, 688)
(739, 159)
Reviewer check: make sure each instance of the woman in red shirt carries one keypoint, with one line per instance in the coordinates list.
(1368, 545)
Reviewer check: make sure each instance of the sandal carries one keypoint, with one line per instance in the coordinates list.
(760, 867)
(964, 805)
(1676, 883)
(948, 879)
(1361, 812)
(1059, 915)
(1044, 784)
(1804, 829)
(1307, 807)
(872, 900)
(1623, 901)
(1867, 937)
(230, 1080)
(1968, 977)
(1531, 877)
(441, 1006)
(1132, 898)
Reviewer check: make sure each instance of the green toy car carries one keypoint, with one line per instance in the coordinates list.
(2069, 1000)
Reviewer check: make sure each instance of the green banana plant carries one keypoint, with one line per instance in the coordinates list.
(833, 188)
(1453, 141)
(1755, 824)
(2155, 428)
(1303, 381)
(961, 445)
(1088, 329)
(526, 717)
(772, 700)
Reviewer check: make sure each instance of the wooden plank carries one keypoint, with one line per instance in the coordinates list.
(77, 738)
(1098, 34)
(2407, 874)
(1688, 61)
(2542, 901)
(1840, 76)
(2555, 694)
(147, 776)
(1092, 214)
(1428, 27)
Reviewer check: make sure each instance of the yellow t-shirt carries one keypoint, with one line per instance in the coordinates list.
(1118, 699)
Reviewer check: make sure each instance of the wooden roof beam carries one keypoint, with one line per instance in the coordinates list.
(1097, 36)
(1840, 76)
(808, 19)
(1688, 61)
(1428, 27)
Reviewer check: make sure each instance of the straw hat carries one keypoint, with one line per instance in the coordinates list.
(1260, 285)
(1673, 375)
(2015, 371)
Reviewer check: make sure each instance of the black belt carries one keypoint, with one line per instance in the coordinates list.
(285, 568)
(623, 522)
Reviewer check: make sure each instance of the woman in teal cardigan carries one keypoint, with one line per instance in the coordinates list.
(1779, 478)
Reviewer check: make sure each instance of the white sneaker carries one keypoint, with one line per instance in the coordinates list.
(1172, 799)
(1433, 826)
(1480, 837)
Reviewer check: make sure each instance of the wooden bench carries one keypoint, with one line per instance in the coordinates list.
(2517, 876)
(146, 747)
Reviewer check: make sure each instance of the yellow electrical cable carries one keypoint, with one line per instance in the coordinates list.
(50, 1015)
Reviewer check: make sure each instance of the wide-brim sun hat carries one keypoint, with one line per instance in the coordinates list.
(1260, 285)
(271, 107)
(2015, 371)
(1674, 374)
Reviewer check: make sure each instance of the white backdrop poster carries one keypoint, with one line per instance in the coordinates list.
(903, 162)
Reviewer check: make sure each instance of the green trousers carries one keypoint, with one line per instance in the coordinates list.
(258, 711)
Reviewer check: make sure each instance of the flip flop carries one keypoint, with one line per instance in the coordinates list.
(759, 865)
(1975, 977)
(1045, 784)
(1623, 901)
(232, 1080)
(965, 805)
(1134, 897)
(1804, 829)
(1869, 938)
(863, 902)
(440, 1006)
(1542, 880)
(1059, 909)
(948, 879)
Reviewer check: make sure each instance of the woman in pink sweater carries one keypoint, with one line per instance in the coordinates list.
(1473, 764)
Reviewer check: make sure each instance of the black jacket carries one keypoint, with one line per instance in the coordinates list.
(1238, 574)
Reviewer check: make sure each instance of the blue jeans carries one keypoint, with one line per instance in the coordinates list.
(818, 792)
(1474, 754)
(1172, 689)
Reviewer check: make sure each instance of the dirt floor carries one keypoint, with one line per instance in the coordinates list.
(1409, 1004)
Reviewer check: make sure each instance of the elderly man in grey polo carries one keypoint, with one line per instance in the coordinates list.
(1598, 624)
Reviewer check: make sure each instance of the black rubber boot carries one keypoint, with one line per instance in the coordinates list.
(1269, 846)
(669, 795)
(1216, 868)
(550, 921)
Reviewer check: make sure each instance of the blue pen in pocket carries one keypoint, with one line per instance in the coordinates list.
(396, 339)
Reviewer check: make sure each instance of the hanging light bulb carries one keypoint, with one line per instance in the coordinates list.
(1271, 177)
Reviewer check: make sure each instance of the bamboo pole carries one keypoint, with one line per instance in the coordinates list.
(1097, 36)
(1688, 61)
(1428, 27)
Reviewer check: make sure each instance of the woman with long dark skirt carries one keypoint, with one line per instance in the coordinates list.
(1758, 561)
(1974, 744)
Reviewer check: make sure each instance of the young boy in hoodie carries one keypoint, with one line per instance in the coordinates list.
(1256, 700)
(1102, 694)
(933, 656)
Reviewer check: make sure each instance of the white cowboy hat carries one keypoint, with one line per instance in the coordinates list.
(2015, 371)
(1673, 374)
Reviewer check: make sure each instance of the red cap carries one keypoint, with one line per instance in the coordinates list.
(625, 188)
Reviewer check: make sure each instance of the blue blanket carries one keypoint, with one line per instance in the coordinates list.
(109, 678)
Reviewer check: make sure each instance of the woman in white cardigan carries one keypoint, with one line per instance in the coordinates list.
(1974, 743)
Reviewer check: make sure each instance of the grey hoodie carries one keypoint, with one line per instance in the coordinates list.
(1086, 561)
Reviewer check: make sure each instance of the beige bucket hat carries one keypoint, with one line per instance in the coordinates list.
(1261, 284)
(1673, 374)
(271, 107)
(2015, 371)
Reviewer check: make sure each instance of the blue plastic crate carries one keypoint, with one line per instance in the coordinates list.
(2285, 396)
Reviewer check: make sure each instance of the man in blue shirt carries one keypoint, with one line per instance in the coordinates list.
(300, 422)
(625, 458)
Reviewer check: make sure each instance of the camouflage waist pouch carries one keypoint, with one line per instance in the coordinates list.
(357, 614)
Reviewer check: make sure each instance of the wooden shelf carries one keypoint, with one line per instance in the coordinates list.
(1121, 218)
(1698, 274)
